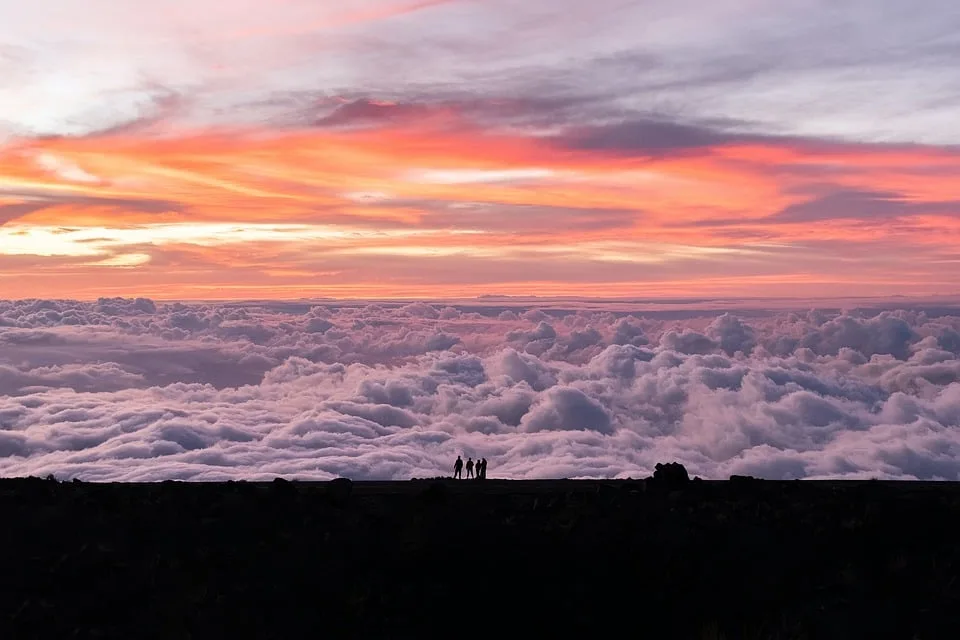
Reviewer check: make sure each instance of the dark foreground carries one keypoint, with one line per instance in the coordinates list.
(750, 559)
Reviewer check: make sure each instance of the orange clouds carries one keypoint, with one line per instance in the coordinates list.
(440, 208)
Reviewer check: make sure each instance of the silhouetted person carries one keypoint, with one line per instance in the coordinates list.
(469, 467)
(483, 468)
(458, 468)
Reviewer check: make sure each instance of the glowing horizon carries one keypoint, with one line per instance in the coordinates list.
(388, 149)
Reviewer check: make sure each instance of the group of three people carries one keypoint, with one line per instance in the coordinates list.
(481, 468)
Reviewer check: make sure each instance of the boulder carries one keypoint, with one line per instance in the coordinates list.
(670, 475)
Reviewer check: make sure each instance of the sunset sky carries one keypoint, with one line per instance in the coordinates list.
(213, 149)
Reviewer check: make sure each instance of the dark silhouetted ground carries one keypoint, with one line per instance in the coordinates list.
(418, 559)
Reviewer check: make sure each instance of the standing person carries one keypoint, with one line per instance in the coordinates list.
(483, 468)
(458, 468)
(469, 467)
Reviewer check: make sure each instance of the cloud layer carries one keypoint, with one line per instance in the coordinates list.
(129, 389)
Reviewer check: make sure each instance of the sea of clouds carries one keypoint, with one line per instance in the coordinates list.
(133, 390)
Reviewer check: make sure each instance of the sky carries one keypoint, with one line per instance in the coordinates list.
(216, 150)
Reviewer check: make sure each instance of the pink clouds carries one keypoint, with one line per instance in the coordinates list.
(437, 148)
(134, 390)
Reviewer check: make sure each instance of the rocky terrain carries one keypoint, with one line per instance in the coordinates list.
(662, 557)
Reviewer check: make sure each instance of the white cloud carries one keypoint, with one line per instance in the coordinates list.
(49, 240)
(132, 390)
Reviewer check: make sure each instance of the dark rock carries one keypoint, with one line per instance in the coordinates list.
(736, 478)
(436, 493)
(282, 487)
(670, 475)
(634, 486)
(340, 489)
